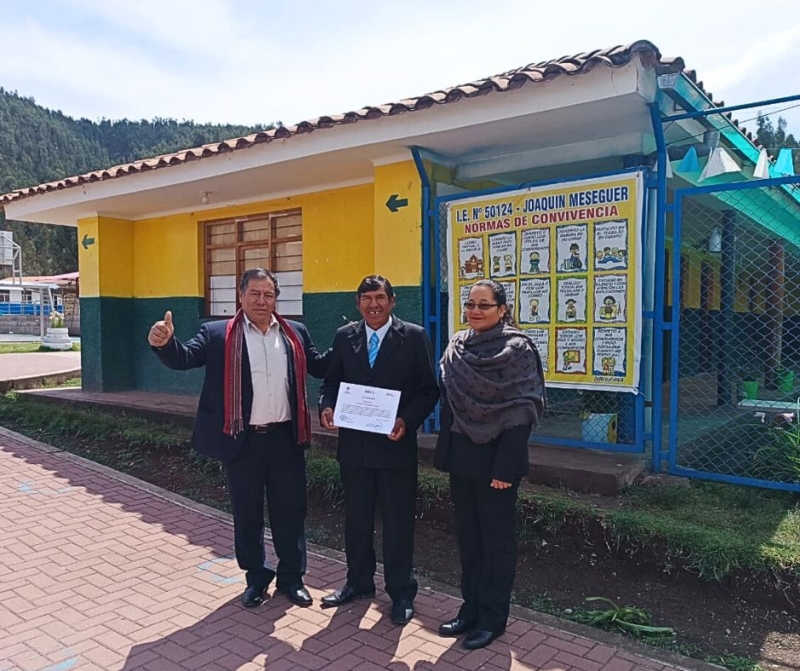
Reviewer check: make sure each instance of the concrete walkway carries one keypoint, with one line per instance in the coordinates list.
(101, 571)
(32, 364)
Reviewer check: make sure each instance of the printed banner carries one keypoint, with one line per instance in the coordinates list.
(569, 257)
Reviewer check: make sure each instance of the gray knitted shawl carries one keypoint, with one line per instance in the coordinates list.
(493, 380)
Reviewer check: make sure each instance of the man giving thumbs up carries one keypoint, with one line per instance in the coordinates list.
(253, 416)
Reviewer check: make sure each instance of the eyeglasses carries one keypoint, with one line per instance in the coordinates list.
(483, 307)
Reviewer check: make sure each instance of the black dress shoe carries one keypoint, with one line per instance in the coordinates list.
(345, 595)
(480, 638)
(455, 627)
(253, 596)
(402, 612)
(297, 594)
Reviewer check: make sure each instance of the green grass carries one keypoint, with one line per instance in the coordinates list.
(711, 529)
(53, 422)
(26, 347)
(718, 527)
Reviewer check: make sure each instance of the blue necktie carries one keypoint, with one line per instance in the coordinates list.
(372, 353)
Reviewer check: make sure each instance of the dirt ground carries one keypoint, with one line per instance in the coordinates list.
(554, 574)
(711, 617)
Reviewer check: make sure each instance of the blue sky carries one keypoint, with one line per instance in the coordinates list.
(245, 61)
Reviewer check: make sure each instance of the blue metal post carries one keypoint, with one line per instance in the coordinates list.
(659, 284)
(429, 315)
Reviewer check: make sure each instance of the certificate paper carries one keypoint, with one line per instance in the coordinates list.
(366, 408)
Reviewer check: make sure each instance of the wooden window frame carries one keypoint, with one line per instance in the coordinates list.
(240, 247)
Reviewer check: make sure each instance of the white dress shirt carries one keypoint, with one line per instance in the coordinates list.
(382, 331)
(269, 370)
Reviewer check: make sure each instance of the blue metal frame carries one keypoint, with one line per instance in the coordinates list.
(659, 325)
(734, 479)
(431, 293)
(737, 186)
(530, 185)
(638, 445)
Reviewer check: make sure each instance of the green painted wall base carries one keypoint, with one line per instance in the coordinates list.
(115, 355)
(107, 336)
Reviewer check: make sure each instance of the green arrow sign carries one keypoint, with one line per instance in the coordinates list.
(87, 241)
(395, 202)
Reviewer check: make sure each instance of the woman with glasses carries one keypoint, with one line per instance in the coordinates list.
(493, 394)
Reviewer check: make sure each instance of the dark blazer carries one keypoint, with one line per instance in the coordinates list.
(505, 458)
(404, 363)
(207, 349)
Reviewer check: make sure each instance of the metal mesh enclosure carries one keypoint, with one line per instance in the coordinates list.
(732, 365)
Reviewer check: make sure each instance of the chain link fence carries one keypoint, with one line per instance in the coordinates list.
(732, 377)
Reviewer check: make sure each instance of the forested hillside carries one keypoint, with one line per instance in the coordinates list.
(39, 145)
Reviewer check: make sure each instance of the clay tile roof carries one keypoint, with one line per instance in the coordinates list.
(513, 79)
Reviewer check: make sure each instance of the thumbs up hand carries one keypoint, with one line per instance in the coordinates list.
(162, 331)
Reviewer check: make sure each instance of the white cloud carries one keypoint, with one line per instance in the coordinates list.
(767, 52)
(247, 62)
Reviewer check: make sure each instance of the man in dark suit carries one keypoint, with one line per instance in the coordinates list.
(253, 416)
(380, 351)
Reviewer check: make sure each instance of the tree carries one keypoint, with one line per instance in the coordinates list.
(774, 138)
(39, 145)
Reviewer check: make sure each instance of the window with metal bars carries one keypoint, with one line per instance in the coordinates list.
(273, 241)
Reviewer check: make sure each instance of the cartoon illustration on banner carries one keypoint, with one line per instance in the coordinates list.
(569, 257)
(464, 291)
(571, 300)
(572, 244)
(503, 252)
(511, 297)
(541, 338)
(470, 259)
(609, 346)
(611, 245)
(571, 351)
(534, 301)
(535, 251)
(610, 298)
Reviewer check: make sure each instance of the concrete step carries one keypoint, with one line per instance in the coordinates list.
(588, 471)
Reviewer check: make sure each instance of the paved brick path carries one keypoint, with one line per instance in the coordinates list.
(100, 572)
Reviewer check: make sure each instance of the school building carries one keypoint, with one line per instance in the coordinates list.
(648, 242)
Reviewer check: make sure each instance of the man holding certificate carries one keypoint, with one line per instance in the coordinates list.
(379, 388)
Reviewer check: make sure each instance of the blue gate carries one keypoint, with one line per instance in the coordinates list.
(733, 332)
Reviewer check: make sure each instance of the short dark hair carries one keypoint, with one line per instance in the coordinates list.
(499, 293)
(258, 274)
(375, 283)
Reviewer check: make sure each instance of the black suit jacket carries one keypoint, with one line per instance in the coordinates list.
(207, 349)
(403, 363)
(505, 458)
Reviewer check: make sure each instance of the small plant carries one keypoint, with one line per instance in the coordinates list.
(56, 320)
(779, 458)
(628, 619)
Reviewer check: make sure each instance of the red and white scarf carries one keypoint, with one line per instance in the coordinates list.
(234, 348)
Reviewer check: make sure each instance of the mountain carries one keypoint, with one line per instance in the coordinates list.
(39, 145)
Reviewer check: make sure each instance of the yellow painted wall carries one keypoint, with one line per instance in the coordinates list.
(398, 235)
(168, 257)
(338, 243)
(106, 266)
(692, 282)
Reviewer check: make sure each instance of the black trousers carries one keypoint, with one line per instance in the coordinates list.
(269, 463)
(485, 528)
(395, 491)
